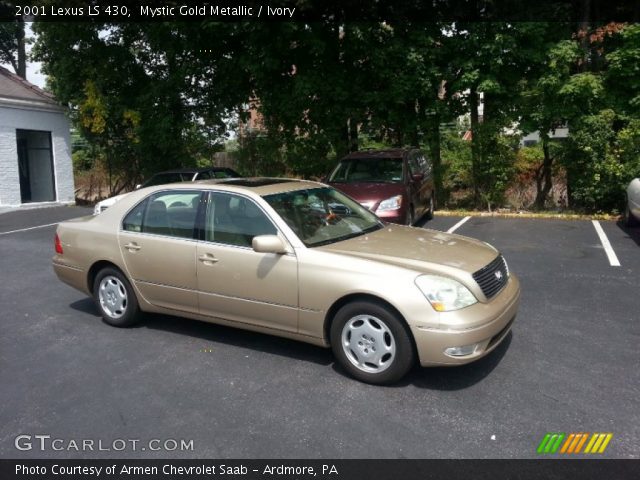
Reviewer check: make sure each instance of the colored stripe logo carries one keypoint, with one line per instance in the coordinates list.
(574, 443)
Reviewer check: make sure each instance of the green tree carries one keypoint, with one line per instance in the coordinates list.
(493, 59)
(550, 101)
(601, 156)
(13, 46)
(144, 93)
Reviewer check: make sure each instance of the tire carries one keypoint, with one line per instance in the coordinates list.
(361, 327)
(629, 219)
(429, 215)
(411, 217)
(115, 299)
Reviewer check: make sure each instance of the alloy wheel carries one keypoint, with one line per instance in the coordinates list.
(368, 343)
(113, 296)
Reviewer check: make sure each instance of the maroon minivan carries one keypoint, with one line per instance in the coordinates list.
(397, 185)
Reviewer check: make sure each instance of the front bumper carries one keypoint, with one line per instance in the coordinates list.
(491, 322)
(393, 216)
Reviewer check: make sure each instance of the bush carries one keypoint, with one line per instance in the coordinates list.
(601, 157)
(496, 168)
(456, 162)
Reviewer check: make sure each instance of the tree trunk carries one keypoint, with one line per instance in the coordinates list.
(475, 144)
(343, 142)
(22, 50)
(353, 135)
(436, 159)
(544, 180)
(413, 115)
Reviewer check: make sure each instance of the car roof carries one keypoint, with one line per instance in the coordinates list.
(259, 185)
(375, 154)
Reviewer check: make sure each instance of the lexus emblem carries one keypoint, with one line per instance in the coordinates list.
(498, 275)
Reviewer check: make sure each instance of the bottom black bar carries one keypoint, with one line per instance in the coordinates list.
(586, 469)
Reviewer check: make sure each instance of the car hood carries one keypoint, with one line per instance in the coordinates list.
(372, 193)
(418, 248)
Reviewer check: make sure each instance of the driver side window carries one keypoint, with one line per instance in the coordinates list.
(235, 220)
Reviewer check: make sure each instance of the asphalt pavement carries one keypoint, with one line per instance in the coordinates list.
(569, 365)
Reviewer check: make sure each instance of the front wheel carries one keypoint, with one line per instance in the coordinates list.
(372, 343)
(115, 298)
(410, 217)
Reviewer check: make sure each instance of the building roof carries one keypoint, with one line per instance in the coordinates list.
(13, 87)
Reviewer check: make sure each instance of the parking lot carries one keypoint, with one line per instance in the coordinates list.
(569, 365)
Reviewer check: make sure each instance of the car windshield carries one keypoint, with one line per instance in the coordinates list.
(320, 216)
(369, 170)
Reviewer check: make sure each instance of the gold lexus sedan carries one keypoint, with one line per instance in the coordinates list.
(296, 259)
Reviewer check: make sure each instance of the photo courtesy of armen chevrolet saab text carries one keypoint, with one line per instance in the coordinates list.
(297, 259)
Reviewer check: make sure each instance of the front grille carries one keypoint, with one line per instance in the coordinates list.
(493, 277)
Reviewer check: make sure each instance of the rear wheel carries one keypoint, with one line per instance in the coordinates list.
(115, 298)
(431, 206)
(372, 343)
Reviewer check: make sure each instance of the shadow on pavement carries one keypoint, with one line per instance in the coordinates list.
(633, 233)
(434, 378)
(461, 377)
(85, 305)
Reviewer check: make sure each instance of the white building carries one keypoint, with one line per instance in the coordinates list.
(35, 145)
(534, 137)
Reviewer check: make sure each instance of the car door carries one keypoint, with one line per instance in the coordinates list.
(158, 244)
(234, 281)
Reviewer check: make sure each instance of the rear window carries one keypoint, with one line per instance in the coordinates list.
(171, 214)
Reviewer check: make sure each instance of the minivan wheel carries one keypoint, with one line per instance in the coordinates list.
(431, 206)
(410, 216)
(371, 343)
(115, 298)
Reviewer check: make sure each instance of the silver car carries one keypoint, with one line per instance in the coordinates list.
(632, 210)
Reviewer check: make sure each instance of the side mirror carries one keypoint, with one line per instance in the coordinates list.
(268, 244)
(417, 177)
(138, 186)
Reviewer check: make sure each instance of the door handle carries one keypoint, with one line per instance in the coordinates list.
(132, 247)
(208, 259)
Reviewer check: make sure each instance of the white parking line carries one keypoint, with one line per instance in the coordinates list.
(30, 228)
(613, 259)
(458, 225)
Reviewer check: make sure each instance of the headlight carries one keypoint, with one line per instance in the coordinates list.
(445, 294)
(393, 203)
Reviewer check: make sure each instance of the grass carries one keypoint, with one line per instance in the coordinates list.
(564, 215)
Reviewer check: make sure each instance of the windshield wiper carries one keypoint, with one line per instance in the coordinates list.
(372, 228)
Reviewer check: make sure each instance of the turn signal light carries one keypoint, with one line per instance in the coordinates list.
(58, 245)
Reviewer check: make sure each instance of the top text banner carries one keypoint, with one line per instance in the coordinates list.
(391, 11)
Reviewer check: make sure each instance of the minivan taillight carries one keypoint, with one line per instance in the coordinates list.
(58, 245)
